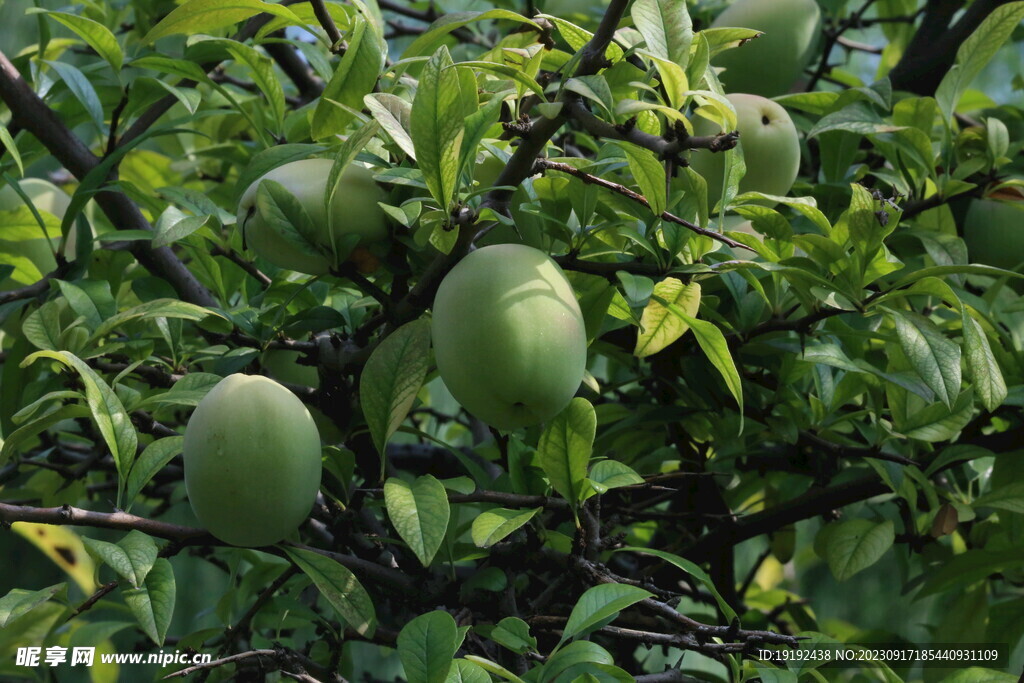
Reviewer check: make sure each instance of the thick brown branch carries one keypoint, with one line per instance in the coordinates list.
(327, 22)
(811, 504)
(933, 49)
(30, 112)
(661, 146)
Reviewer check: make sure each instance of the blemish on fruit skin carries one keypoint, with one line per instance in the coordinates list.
(765, 120)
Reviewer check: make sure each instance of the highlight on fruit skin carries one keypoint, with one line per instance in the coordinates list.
(508, 335)
(772, 63)
(770, 144)
(252, 461)
(354, 211)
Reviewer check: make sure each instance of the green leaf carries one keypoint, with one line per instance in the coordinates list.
(565, 447)
(975, 53)
(465, 671)
(577, 37)
(690, 568)
(596, 89)
(270, 159)
(19, 602)
(493, 525)
(107, 410)
(354, 79)
(580, 652)
(600, 603)
(610, 474)
(28, 431)
(454, 20)
(969, 567)
(132, 557)
(712, 343)
(158, 308)
(658, 326)
(394, 115)
(262, 69)
(153, 603)
(98, 36)
(391, 379)
(857, 544)
(8, 143)
(1009, 497)
(190, 98)
(436, 126)
(204, 16)
(174, 225)
(506, 70)
(649, 175)
(514, 634)
(426, 646)
(285, 215)
(936, 422)
(666, 27)
(343, 157)
(494, 668)
(152, 460)
(982, 367)
(932, 355)
(939, 271)
(419, 514)
(81, 87)
(341, 588)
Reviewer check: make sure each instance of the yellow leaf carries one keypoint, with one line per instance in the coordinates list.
(658, 326)
(65, 548)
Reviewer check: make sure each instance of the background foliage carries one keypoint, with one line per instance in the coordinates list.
(813, 428)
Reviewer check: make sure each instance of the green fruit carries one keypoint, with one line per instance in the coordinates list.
(771, 148)
(49, 200)
(252, 461)
(508, 335)
(354, 211)
(487, 170)
(770, 64)
(994, 233)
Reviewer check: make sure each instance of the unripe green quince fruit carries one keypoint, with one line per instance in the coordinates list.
(354, 211)
(48, 200)
(509, 337)
(770, 64)
(252, 461)
(487, 169)
(771, 148)
(994, 233)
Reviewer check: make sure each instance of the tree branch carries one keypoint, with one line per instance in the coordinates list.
(661, 146)
(811, 504)
(185, 536)
(544, 164)
(932, 50)
(30, 112)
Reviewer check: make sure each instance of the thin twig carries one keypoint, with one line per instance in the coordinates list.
(544, 164)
